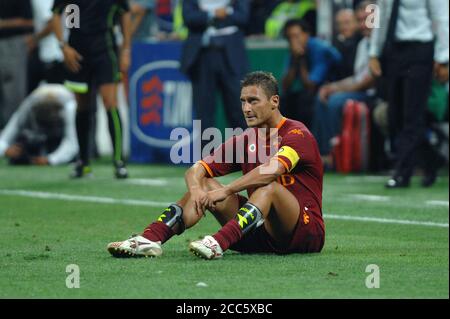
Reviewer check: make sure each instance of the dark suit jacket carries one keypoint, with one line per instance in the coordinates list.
(197, 22)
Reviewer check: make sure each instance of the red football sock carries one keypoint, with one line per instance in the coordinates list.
(158, 231)
(228, 235)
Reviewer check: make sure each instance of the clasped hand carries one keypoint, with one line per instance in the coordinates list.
(208, 200)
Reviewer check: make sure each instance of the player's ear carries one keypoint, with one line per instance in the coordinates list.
(275, 101)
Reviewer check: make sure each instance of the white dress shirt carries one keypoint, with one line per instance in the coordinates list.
(418, 20)
(361, 65)
(210, 6)
(49, 50)
(68, 147)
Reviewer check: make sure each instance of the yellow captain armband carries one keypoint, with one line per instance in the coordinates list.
(290, 154)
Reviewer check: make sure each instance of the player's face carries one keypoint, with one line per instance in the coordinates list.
(256, 106)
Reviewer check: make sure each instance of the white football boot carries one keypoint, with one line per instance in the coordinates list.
(135, 246)
(207, 248)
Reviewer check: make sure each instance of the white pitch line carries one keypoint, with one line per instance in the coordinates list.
(80, 198)
(365, 179)
(372, 198)
(385, 220)
(133, 202)
(147, 182)
(381, 198)
(437, 203)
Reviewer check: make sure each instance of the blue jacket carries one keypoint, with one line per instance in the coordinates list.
(197, 21)
(323, 60)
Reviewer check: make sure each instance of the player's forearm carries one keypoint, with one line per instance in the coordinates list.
(343, 85)
(3, 147)
(194, 176)
(304, 75)
(66, 151)
(57, 27)
(367, 83)
(260, 176)
(44, 32)
(126, 30)
(16, 23)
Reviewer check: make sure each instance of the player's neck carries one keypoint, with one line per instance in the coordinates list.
(274, 122)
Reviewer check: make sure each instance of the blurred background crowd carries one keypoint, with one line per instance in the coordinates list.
(376, 74)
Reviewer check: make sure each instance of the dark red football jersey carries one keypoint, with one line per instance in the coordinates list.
(292, 144)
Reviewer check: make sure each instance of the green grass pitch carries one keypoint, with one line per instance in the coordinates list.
(48, 222)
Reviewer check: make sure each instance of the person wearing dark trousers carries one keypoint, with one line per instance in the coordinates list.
(93, 58)
(409, 48)
(16, 21)
(214, 56)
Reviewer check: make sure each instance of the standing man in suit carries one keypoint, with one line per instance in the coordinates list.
(411, 42)
(214, 56)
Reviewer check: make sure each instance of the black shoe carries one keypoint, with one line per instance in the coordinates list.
(429, 179)
(80, 171)
(121, 171)
(431, 173)
(397, 182)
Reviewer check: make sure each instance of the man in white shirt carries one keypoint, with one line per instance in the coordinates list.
(42, 130)
(332, 96)
(412, 41)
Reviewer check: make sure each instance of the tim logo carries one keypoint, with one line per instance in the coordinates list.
(161, 100)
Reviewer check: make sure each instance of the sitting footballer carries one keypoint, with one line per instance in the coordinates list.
(283, 211)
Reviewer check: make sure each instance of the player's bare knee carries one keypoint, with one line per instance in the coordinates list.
(210, 184)
(110, 104)
(268, 189)
(109, 101)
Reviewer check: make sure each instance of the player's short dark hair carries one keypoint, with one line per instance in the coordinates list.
(301, 23)
(265, 80)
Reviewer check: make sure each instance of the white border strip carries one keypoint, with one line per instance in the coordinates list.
(133, 202)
